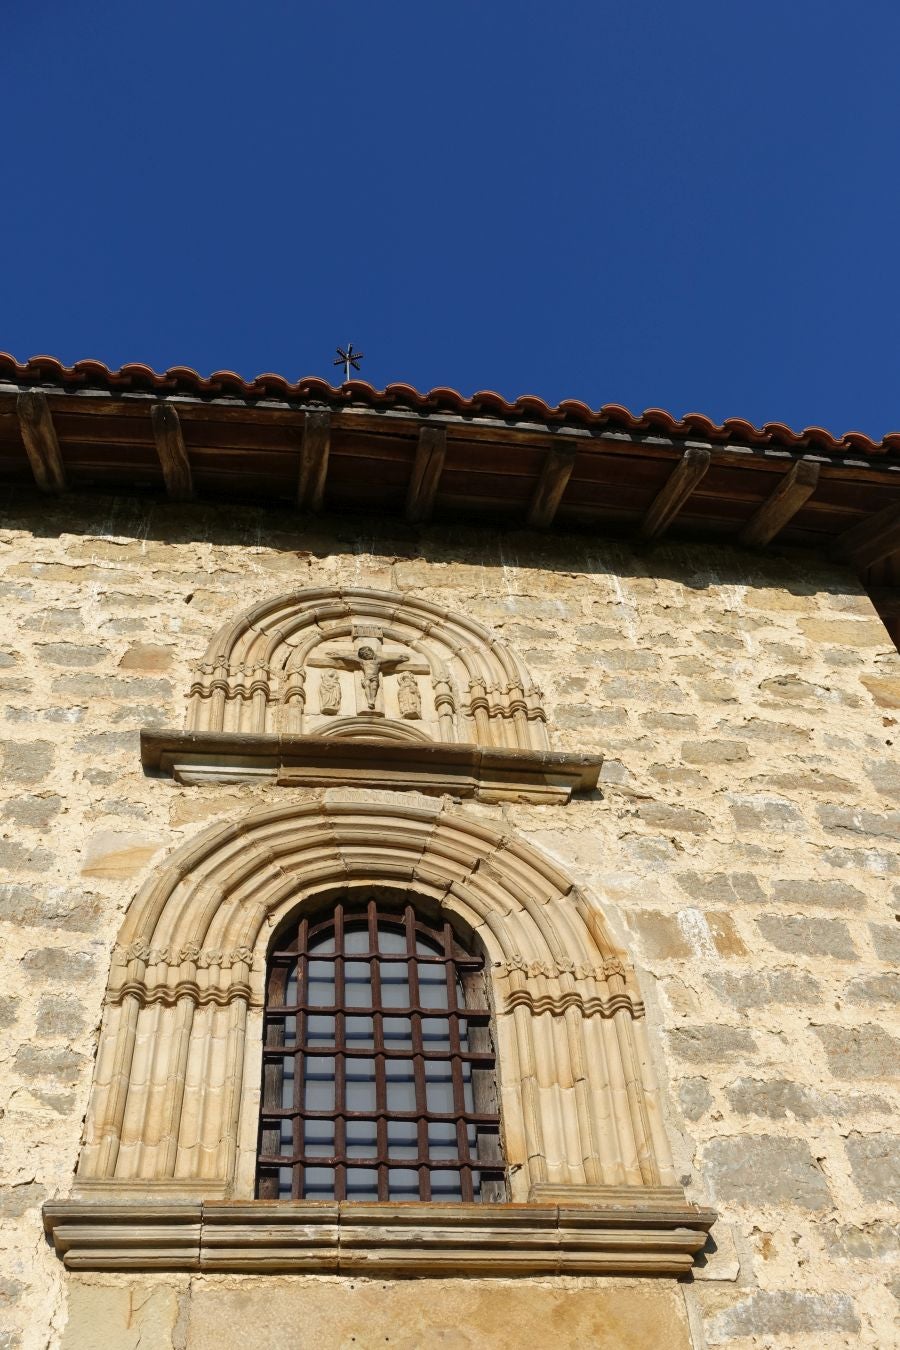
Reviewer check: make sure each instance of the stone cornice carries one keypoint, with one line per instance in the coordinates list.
(467, 771)
(615, 1230)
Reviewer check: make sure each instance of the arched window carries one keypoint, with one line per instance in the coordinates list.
(378, 1064)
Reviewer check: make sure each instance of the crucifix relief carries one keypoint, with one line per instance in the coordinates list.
(372, 661)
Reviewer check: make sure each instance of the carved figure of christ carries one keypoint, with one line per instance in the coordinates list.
(373, 661)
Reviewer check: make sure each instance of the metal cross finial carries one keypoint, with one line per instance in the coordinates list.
(347, 359)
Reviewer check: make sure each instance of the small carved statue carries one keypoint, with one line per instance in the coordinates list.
(370, 674)
(408, 695)
(330, 692)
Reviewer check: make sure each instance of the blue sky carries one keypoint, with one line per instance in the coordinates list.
(692, 205)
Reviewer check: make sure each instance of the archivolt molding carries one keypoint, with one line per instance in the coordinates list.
(292, 665)
(176, 1090)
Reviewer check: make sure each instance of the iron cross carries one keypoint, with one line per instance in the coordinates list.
(347, 359)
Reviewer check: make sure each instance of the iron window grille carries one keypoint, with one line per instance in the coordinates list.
(378, 1066)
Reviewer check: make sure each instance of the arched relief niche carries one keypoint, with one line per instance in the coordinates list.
(363, 663)
(174, 1108)
(348, 685)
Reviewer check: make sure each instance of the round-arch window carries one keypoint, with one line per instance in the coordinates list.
(378, 1063)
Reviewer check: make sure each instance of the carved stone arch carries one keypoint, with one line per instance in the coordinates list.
(175, 1093)
(260, 673)
(166, 1174)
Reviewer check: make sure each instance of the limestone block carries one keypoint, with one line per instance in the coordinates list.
(102, 1317)
(146, 656)
(756, 989)
(711, 1044)
(876, 1241)
(694, 1097)
(886, 941)
(875, 1162)
(70, 653)
(464, 1315)
(763, 1172)
(783, 1313)
(886, 825)
(720, 888)
(765, 812)
(26, 761)
(866, 1051)
(823, 893)
(714, 752)
(661, 936)
(813, 937)
(775, 1098)
(853, 633)
(885, 689)
(665, 816)
(59, 964)
(112, 853)
(35, 810)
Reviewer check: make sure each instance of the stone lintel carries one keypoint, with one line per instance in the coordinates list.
(412, 1238)
(473, 771)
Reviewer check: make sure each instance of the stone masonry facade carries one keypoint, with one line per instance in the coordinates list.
(744, 845)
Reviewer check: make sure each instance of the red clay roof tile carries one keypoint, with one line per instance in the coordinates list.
(612, 416)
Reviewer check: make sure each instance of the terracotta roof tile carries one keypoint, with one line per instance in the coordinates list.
(612, 416)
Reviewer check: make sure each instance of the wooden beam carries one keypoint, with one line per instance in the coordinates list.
(674, 492)
(41, 444)
(314, 459)
(170, 448)
(796, 487)
(872, 539)
(555, 474)
(426, 474)
(886, 600)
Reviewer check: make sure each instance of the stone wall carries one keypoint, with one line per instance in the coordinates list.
(745, 847)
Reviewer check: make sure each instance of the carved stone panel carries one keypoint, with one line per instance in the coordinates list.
(363, 664)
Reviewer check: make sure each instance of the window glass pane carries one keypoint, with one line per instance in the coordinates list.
(286, 1139)
(362, 1183)
(442, 1142)
(319, 1030)
(318, 1183)
(433, 986)
(401, 1088)
(357, 984)
(397, 1033)
(285, 1182)
(391, 940)
(403, 1139)
(318, 1080)
(403, 1183)
(318, 1138)
(362, 1140)
(290, 1029)
(394, 984)
(356, 940)
(360, 1084)
(321, 983)
(445, 1185)
(436, 1033)
(323, 945)
(439, 1088)
(426, 948)
(359, 1033)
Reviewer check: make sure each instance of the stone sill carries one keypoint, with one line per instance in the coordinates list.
(653, 1237)
(465, 771)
